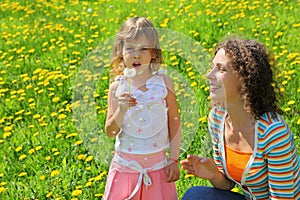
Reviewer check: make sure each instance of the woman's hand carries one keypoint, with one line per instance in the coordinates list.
(201, 167)
(172, 171)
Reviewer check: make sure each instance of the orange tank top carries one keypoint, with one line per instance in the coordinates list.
(236, 162)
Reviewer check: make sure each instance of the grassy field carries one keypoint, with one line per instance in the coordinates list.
(54, 59)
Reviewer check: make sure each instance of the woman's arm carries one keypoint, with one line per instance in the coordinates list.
(283, 163)
(207, 169)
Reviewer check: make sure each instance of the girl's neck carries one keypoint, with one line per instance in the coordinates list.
(139, 80)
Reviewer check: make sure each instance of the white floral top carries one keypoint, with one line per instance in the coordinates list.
(145, 126)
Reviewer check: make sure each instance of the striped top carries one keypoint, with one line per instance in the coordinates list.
(273, 170)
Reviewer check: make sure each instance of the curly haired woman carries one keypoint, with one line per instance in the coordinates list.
(252, 144)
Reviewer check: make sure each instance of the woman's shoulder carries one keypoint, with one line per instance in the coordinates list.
(273, 126)
(270, 119)
(218, 111)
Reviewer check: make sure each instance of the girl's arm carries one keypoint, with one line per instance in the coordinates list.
(117, 107)
(174, 123)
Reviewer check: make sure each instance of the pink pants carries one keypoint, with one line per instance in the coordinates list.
(121, 180)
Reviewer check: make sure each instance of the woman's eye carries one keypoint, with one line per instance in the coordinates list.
(221, 69)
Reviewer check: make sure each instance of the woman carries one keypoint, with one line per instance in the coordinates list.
(253, 146)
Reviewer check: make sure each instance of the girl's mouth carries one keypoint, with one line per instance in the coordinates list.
(135, 65)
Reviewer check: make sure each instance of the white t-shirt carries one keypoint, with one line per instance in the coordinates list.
(145, 126)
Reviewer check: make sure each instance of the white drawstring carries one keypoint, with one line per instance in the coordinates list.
(134, 165)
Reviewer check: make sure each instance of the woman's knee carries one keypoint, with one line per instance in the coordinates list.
(195, 193)
(210, 193)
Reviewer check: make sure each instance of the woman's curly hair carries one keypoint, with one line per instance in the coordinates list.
(252, 64)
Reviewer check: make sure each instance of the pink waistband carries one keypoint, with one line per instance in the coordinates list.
(146, 161)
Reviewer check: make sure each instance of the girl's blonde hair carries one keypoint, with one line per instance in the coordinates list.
(131, 31)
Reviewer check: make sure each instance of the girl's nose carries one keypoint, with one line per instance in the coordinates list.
(137, 56)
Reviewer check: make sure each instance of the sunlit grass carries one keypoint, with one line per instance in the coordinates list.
(43, 47)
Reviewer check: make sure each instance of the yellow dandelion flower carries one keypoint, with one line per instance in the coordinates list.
(8, 128)
(81, 157)
(291, 102)
(38, 148)
(76, 192)
(188, 176)
(203, 119)
(89, 158)
(98, 195)
(2, 189)
(22, 174)
(71, 135)
(193, 84)
(31, 151)
(88, 184)
(48, 158)
(54, 173)
(298, 122)
(36, 116)
(97, 178)
(43, 177)
(235, 189)
(56, 153)
(55, 99)
(6, 134)
(18, 149)
(49, 195)
(287, 109)
(22, 157)
(78, 142)
(62, 116)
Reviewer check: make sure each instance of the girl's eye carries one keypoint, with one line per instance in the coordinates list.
(144, 49)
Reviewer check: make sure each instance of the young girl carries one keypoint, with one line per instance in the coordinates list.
(143, 118)
(253, 145)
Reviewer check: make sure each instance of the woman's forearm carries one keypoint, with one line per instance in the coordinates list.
(221, 182)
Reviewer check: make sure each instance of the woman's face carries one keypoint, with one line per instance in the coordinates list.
(137, 55)
(224, 84)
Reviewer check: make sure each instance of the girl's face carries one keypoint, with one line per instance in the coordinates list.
(137, 55)
(224, 84)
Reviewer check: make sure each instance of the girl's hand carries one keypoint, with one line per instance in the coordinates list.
(172, 171)
(201, 167)
(126, 101)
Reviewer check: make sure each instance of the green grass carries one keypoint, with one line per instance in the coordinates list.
(54, 60)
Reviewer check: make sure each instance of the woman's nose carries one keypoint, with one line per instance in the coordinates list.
(209, 75)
